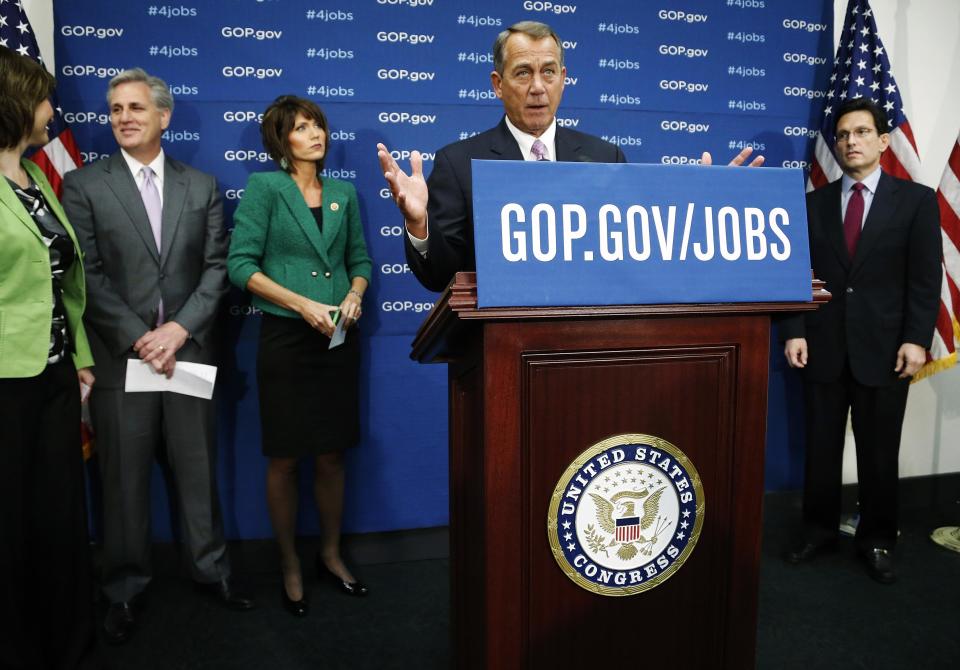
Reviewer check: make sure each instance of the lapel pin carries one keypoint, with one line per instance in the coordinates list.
(334, 206)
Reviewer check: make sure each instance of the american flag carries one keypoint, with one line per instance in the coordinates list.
(949, 196)
(861, 68)
(60, 155)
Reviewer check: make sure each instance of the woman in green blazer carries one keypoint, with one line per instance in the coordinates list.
(298, 247)
(46, 593)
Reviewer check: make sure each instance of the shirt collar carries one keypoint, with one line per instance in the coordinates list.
(135, 166)
(870, 181)
(526, 140)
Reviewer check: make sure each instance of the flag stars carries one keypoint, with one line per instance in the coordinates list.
(888, 106)
(23, 50)
(878, 51)
(3, 21)
(865, 31)
(874, 86)
(860, 81)
(848, 61)
(890, 88)
(862, 64)
(877, 68)
(23, 27)
(846, 79)
(864, 48)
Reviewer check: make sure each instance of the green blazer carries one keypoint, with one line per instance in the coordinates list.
(275, 233)
(26, 287)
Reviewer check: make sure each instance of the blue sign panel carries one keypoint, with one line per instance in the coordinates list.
(598, 234)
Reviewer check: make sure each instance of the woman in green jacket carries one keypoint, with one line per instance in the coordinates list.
(46, 592)
(298, 247)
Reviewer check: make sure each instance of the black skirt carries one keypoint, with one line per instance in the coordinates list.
(309, 394)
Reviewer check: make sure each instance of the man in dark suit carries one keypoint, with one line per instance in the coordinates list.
(875, 241)
(151, 229)
(528, 77)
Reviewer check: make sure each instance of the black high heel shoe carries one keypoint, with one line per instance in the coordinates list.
(298, 608)
(357, 589)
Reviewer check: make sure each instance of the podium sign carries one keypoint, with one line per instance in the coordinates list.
(555, 234)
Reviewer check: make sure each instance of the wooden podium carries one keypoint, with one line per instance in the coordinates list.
(531, 388)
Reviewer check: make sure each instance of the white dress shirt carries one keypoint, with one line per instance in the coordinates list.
(136, 169)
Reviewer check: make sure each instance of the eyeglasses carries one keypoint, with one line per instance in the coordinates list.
(861, 134)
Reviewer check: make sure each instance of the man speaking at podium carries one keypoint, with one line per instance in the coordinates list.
(528, 78)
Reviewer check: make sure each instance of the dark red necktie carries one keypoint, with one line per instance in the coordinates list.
(853, 219)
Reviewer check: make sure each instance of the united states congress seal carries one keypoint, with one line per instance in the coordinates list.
(625, 514)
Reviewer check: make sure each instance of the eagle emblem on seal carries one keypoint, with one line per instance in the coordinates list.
(618, 517)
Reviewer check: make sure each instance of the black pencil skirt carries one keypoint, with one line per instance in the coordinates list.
(309, 396)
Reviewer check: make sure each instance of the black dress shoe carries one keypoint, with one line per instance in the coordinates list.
(227, 595)
(119, 623)
(350, 588)
(805, 550)
(297, 608)
(879, 564)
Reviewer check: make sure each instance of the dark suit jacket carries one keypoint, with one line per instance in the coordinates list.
(450, 209)
(887, 295)
(125, 274)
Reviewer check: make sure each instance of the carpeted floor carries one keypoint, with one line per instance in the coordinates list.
(827, 614)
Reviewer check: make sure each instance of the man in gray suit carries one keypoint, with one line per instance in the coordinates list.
(151, 229)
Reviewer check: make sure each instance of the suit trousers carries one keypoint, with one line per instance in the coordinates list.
(130, 430)
(46, 593)
(877, 417)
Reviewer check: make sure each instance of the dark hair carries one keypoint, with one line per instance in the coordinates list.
(24, 84)
(863, 105)
(534, 29)
(278, 122)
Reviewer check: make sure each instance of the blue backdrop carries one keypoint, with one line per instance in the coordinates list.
(664, 80)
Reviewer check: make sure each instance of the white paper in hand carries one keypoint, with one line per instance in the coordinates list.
(194, 379)
(339, 333)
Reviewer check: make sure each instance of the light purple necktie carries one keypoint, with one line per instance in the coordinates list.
(539, 149)
(151, 202)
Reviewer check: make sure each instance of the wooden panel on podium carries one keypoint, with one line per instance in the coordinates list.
(530, 389)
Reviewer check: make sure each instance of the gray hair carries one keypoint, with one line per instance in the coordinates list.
(159, 91)
(533, 29)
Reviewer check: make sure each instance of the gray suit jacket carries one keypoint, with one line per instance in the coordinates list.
(126, 276)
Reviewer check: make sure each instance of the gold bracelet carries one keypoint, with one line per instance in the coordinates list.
(356, 293)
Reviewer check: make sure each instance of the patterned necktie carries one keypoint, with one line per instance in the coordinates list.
(539, 149)
(853, 219)
(151, 202)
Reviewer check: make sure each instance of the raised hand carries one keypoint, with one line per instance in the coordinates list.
(707, 159)
(409, 191)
